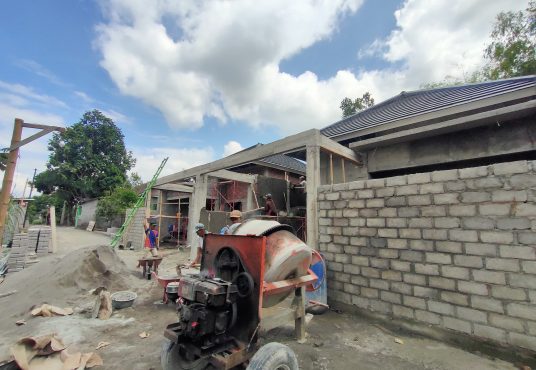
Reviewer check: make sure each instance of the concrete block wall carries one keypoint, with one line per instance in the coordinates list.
(136, 229)
(454, 248)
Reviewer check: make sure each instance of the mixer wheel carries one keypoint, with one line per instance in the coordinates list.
(274, 356)
(244, 283)
(172, 359)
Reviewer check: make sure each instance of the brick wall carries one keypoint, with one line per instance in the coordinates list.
(454, 248)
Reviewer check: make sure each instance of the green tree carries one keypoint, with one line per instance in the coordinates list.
(512, 51)
(40, 204)
(3, 159)
(116, 203)
(86, 161)
(350, 107)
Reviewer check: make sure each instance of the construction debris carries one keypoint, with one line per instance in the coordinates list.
(103, 304)
(47, 310)
(20, 322)
(102, 345)
(49, 352)
(144, 335)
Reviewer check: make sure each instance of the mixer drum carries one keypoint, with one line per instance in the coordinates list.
(286, 255)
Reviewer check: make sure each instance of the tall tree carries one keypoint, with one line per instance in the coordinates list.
(512, 51)
(3, 159)
(350, 107)
(87, 160)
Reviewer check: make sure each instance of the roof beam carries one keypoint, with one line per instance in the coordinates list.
(282, 146)
(458, 124)
(235, 176)
(175, 187)
(334, 147)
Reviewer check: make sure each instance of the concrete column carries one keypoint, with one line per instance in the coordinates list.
(198, 200)
(311, 185)
(249, 198)
(53, 234)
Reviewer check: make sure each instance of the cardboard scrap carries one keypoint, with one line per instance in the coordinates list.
(399, 341)
(102, 345)
(48, 310)
(144, 335)
(103, 304)
(48, 353)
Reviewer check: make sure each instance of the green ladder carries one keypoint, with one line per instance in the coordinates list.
(139, 203)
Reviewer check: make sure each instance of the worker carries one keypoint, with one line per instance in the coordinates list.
(151, 238)
(236, 220)
(302, 182)
(201, 232)
(269, 207)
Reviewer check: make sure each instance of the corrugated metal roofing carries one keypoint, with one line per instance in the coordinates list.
(285, 161)
(280, 160)
(408, 104)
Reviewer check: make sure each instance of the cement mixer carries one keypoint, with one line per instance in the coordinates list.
(243, 284)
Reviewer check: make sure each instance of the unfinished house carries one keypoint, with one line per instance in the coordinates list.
(424, 206)
(440, 225)
(239, 187)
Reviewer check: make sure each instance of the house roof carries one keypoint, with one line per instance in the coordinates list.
(414, 103)
(282, 161)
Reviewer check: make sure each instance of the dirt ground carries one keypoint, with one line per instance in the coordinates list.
(335, 340)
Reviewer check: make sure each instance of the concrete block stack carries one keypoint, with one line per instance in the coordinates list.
(17, 255)
(40, 239)
(454, 248)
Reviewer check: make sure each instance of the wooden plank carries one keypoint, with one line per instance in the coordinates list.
(44, 127)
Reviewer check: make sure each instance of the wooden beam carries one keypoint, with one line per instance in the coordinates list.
(331, 146)
(175, 187)
(44, 127)
(234, 176)
(457, 124)
(29, 139)
(287, 145)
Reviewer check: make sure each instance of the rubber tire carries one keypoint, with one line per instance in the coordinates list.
(170, 359)
(317, 310)
(274, 356)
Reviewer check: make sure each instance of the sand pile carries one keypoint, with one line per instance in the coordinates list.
(62, 281)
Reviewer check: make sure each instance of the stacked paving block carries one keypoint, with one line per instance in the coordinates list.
(17, 256)
(40, 239)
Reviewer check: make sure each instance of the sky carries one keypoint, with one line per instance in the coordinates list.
(198, 80)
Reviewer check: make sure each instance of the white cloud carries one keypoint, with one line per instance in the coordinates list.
(148, 160)
(231, 148)
(85, 97)
(221, 58)
(38, 69)
(117, 117)
(30, 94)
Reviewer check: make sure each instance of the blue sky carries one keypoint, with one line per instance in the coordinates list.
(199, 79)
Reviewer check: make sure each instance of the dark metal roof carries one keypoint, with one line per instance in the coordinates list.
(280, 160)
(285, 161)
(409, 104)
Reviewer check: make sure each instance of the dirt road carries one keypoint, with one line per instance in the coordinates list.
(335, 340)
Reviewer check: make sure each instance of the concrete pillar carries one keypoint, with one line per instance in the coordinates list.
(311, 185)
(249, 198)
(198, 200)
(53, 234)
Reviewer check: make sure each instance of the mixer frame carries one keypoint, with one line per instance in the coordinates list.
(253, 317)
